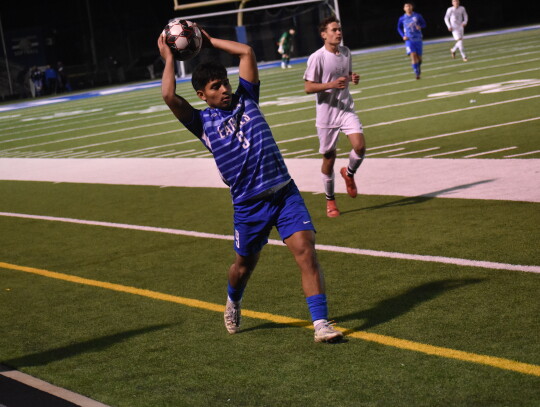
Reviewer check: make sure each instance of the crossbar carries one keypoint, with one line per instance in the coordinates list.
(245, 10)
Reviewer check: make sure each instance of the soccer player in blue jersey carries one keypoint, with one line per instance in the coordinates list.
(235, 131)
(409, 28)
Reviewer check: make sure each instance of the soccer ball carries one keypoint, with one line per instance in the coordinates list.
(183, 38)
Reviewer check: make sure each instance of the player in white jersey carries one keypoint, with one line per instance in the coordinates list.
(456, 19)
(235, 131)
(328, 73)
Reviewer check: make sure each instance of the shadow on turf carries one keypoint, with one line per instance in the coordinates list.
(391, 308)
(92, 345)
(275, 325)
(413, 200)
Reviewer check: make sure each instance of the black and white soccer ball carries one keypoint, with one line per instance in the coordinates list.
(183, 38)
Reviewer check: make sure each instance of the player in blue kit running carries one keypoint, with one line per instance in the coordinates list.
(235, 131)
(409, 28)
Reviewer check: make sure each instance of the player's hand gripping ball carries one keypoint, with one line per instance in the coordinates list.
(183, 38)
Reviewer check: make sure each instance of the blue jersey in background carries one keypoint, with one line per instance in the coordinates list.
(408, 26)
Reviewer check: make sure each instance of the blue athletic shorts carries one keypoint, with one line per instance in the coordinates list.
(413, 46)
(254, 219)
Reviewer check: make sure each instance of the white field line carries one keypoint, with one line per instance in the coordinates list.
(105, 142)
(108, 124)
(307, 155)
(364, 98)
(186, 153)
(453, 111)
(419, 117)
(376, 108)
(63, 394)
(56, 153)
(415, 152)
(328, 248)
(519, 155)
(445, 66)
(378, 86)
(275, 125)
(135, 99)
(378, 63)
(295, 139)
(490, 152)
(93, 154)
(309, 150)
(399, 71)
(385, 151)
(319, 154)
(456, 133)
(451, 152)
(156, 153)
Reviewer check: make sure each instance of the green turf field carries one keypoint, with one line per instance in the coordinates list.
(133, 317)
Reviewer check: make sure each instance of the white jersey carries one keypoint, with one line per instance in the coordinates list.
(456, 17)
(333, 105)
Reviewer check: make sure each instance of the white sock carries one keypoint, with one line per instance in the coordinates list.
(459, 45)
(354, 162)
(328, 183)
(317, 323)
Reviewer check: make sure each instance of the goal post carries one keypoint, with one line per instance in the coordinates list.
(259, 24)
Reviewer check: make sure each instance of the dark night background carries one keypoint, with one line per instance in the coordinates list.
(112, 41)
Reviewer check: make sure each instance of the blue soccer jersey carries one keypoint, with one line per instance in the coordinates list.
(242, 144)
(411, 26)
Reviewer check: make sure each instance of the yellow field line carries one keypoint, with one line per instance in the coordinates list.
(492, 361)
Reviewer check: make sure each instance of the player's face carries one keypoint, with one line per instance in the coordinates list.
(332, 35)
(408, 8)
(455, 3)
(217, 93)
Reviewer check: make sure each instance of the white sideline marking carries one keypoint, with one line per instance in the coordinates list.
(414, 152)
(504, 179)
(450, 152)
(386, 151)
(490, 152)
(328, 248)
(451, 111)
(456, 132)
(519, 155)
(59, 392)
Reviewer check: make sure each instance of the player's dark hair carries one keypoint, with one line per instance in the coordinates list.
(206, 72)
(328, 20)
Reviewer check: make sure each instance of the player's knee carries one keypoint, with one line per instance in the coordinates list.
(330, 154)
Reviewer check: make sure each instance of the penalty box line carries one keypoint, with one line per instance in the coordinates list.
(320, 247)
(492, 361)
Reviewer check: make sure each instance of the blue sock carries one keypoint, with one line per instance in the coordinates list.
(317, 306)
(235, 294)
(415, 69)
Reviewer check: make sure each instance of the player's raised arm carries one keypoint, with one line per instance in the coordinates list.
(248, 64)
(178, 105)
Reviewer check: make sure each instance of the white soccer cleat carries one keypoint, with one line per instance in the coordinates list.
(325, 332)
(232, 316)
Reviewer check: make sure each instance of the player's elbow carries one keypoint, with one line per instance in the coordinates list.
(308, 87)
(169, 98)
(247, 52)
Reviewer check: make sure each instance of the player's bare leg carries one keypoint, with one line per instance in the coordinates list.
(302, 246)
